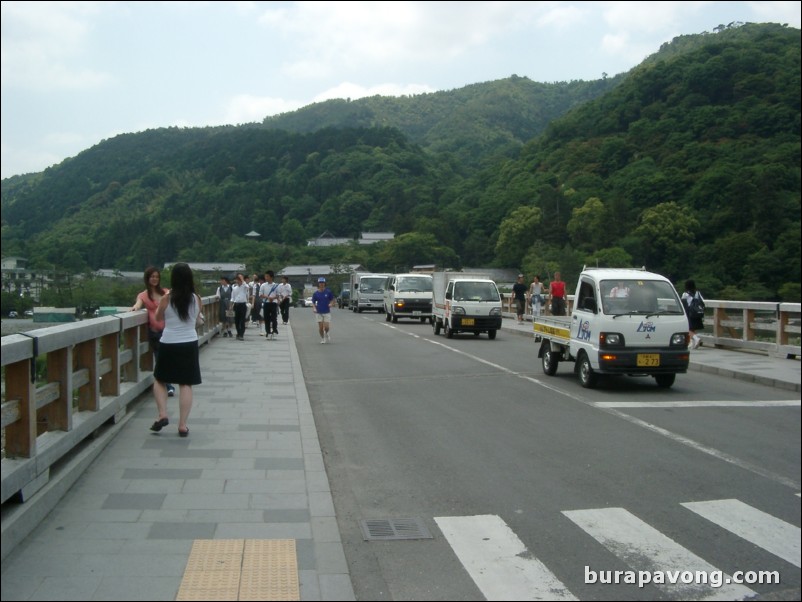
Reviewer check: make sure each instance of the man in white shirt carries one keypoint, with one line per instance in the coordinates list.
(269, 295)
(284, 299)
(239, 297)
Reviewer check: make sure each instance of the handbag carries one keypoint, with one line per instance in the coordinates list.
(229, 313)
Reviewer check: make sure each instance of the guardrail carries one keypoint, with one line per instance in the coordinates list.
(92, 370)
(771, 328)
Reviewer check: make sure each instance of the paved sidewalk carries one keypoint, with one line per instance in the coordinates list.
(743, 365)
(251, 469)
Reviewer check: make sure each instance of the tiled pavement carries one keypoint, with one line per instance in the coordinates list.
(251, 469)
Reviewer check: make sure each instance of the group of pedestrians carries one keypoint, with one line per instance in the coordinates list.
(535, 295)
(262, 296)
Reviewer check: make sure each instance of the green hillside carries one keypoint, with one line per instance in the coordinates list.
(689, 164)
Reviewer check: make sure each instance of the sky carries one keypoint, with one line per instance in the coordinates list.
(77, 73)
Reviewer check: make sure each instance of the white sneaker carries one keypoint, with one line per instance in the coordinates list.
(328, 338)
(323, 341)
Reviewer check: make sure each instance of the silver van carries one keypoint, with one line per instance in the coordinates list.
(408, 296)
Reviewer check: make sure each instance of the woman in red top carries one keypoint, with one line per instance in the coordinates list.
(557, 292)
(149, 299)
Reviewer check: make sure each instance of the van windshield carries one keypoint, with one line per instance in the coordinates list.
(639, 297)
(475, 291)
(414, 284)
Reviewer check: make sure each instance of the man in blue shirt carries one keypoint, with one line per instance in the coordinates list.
(322, 300)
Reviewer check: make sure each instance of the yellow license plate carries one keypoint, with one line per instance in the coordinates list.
(467, 321)
(648, 360)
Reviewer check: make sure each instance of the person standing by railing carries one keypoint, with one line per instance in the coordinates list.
(536, 295)
(149, 299)
(557, 294)
(178, 360)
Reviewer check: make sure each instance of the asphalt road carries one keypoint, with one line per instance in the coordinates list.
(469, 437)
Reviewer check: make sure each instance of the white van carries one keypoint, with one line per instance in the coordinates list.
(408, 296)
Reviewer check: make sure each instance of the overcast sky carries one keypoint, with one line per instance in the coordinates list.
(75, 73)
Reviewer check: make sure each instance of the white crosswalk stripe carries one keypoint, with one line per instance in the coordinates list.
(646, 549)
(772, 534)
(497, 560)
(503, 569)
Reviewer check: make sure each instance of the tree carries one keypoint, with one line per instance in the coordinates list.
(516, 235)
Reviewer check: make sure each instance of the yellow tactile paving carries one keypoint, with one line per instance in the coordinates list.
(241, 569)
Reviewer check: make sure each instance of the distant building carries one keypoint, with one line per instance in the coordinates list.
(18, 279)
(106, 273)
(369, 238)
(305, 276)
(366, 238)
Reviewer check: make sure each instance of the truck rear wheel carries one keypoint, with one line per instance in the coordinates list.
(550, 362)
(587, 377)
(664, 381)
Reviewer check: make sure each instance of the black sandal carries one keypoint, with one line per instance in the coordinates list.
(159, 424)
(183, 433)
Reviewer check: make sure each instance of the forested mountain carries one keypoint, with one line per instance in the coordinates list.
(689, 164)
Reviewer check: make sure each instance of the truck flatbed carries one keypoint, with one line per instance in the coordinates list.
(557, 328)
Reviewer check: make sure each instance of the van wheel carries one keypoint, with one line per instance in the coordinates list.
(550, 362)
(587, 377)
(664, 381)
(436, 327)
(491, 334)
(449, 332)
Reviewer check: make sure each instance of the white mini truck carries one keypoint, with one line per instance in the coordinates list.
(624, 321)
(465, 302)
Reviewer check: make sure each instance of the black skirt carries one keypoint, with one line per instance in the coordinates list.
(178, 363)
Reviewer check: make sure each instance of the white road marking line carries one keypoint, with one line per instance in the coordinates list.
(498, 562)
(769, 403)
(644, 548)
(772, 534)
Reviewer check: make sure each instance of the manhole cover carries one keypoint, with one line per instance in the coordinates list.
(385, 529)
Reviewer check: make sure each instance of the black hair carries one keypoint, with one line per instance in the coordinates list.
(182, 289)
(148, 273)
(690, 286)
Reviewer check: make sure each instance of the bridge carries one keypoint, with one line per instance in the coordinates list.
(97, 507)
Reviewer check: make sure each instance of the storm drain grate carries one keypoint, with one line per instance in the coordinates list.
(386, 529)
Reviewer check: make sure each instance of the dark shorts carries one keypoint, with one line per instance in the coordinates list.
(178, 363)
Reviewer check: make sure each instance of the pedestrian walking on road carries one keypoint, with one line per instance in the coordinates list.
(149, 299)
(695, 309)
(557, 294)
(268, 294)
(178, 360)
(239, 298)
(536, 295)
(285, 298)
(519, 294)
(322, 301)
(226, 307)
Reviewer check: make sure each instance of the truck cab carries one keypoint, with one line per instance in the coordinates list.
(367, 292)
(624, 321)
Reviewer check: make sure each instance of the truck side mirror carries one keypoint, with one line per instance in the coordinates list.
(448, 295)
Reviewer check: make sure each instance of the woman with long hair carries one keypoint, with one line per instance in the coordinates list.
(149, 299)
(178, 359)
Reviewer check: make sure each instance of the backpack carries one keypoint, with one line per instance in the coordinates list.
(696, 308)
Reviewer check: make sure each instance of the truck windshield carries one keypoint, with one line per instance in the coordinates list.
(414, 284)
(639, 297)
(475, 291)
(371, 285)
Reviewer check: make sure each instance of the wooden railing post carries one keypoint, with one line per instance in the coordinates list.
(21, 434)
(58, 414)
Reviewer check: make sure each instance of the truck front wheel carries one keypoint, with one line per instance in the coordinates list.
(491, 334)
(664, 381)
(587, 377)
(449, 332)
(550, 362)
